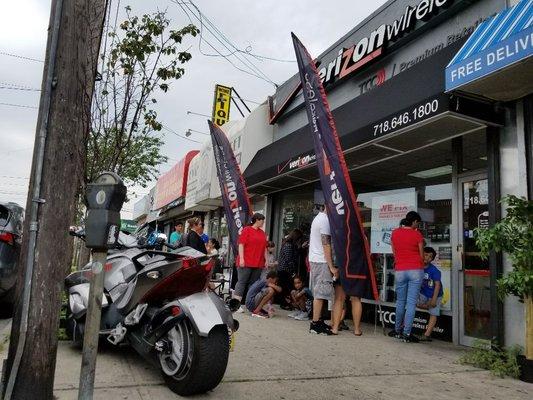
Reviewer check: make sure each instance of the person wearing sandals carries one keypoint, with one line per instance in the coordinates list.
(339, 310)
(408, 251)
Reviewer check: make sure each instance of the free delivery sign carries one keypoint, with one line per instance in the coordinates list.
(494, 58)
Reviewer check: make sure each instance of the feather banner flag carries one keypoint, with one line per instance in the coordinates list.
(232, 186)
(349, 241)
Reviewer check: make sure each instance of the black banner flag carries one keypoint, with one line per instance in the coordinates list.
(349, 241)
(232, 186)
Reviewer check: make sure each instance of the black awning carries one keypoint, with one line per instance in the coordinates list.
(365, 117)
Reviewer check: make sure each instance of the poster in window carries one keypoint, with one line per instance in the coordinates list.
(388, 209)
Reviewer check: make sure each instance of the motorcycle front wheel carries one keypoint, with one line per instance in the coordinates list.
(193, 364)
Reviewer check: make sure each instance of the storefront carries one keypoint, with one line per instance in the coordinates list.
(203, 188)
(170, 190)
(409, 145)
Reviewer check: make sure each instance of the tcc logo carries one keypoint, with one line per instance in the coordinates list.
(388, 317)
(374, 81)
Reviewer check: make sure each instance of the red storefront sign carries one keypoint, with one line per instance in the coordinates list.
(173, 184)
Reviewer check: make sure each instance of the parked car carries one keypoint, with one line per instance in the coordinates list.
(11, 220)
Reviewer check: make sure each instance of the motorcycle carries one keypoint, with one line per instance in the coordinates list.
(159, 303)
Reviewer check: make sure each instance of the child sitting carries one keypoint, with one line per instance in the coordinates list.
(431, 291)
(261, 293)
(301, 300)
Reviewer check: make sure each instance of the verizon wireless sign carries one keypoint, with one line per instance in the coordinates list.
(373, 46)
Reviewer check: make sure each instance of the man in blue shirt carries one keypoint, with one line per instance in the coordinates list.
(203, 235)
(431, 291)
(175, 236)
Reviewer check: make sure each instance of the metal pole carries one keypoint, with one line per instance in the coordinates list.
(35, 198)
(92, 326)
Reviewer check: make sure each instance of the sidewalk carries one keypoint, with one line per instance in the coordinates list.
(279, 359)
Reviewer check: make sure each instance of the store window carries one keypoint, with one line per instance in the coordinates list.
(382, 212)
(296, 212)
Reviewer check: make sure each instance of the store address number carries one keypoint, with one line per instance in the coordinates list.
(420, 112)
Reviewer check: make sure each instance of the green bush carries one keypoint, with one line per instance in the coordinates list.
(513, 235)
(500, 362)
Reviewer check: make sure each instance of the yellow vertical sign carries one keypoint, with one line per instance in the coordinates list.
(221, 105)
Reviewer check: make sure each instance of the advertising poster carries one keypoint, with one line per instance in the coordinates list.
(388, 209)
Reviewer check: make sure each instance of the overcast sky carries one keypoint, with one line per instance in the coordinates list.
(261, 26)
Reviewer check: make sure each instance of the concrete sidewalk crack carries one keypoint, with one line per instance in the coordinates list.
(287, 378)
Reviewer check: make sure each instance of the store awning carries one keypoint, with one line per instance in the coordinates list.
(495, 62)
(366, 125)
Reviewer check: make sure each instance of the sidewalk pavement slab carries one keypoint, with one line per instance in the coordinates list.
(279, 359)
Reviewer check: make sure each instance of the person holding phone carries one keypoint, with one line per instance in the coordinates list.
(408, 250)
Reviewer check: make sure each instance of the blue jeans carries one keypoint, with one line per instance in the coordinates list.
(407, 290)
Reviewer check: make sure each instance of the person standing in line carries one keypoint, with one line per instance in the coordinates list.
(322, 270)
(252, 256)
(287, 265)
(203, 235)
(175, 236)
(408, 251)
(193, 238)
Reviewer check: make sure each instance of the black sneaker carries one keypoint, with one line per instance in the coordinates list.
(410, 338)
(343, 326)
(425, 338)
(319, 329)
(393, 334)
(321, 322)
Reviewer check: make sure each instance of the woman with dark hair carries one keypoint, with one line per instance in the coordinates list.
(193, 238)
(287, 265)
(252, 255)
(408, 250)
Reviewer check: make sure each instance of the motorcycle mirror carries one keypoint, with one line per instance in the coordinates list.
(233, 304)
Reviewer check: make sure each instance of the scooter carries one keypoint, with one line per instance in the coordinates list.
(159, 303)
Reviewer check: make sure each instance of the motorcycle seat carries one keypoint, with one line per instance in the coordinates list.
(76, 278)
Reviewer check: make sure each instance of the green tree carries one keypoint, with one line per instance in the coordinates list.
(143, 59)
(513, 235)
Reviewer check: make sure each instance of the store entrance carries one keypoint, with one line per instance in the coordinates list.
(474, 272)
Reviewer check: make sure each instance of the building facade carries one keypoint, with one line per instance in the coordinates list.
(412, 143)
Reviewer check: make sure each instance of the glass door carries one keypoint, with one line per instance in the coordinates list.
(474, 273)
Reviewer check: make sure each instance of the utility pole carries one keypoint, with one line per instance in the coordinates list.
(63, 123)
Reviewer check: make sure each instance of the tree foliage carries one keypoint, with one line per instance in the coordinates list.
(144, 57)
(513, 235)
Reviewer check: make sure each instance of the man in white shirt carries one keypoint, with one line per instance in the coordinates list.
(322, 270)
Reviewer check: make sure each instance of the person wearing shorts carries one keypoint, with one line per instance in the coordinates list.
(322, 270)
(431, 292)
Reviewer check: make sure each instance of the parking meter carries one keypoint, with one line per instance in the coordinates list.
(104, 200)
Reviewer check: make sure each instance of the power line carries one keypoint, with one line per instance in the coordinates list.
(3, 53)
(177, 134)
(247, 50)
(252, 69)
(20, 88)
(201, 16)
(14, 177)
(17, 105)
(16, 85)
